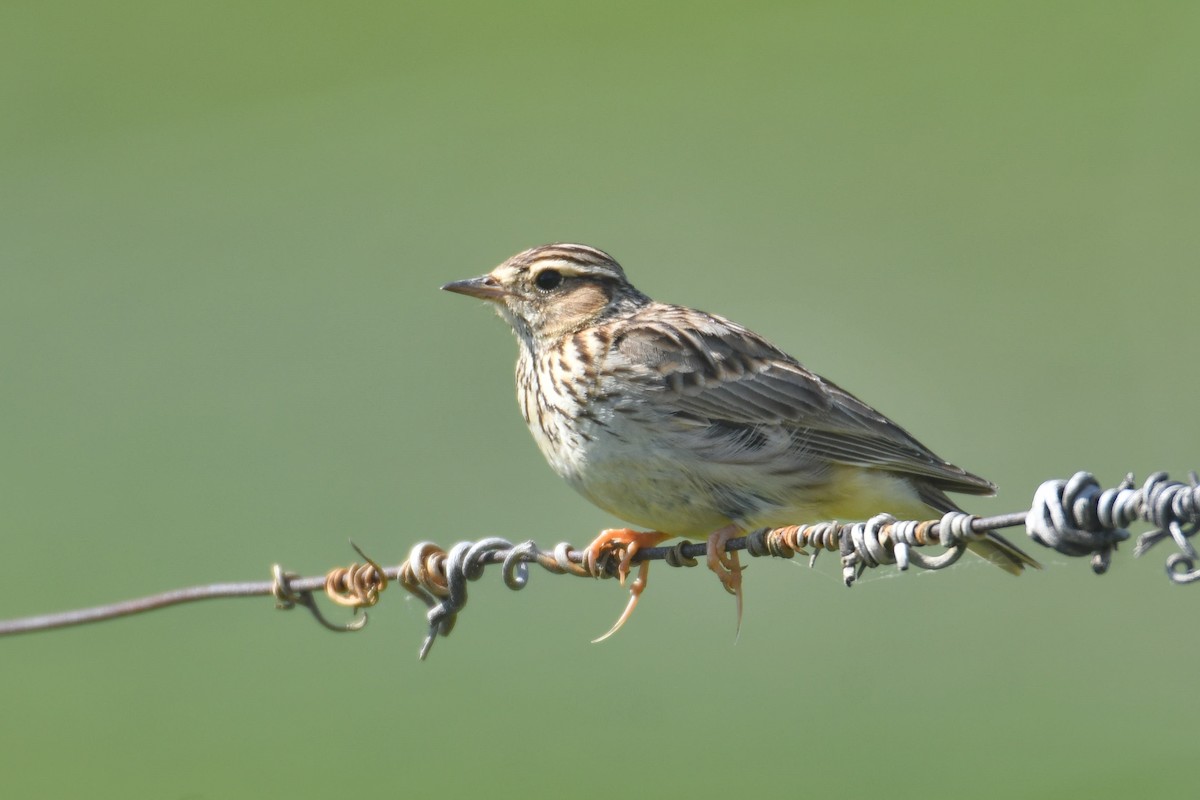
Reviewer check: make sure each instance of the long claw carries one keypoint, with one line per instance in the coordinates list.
(735, 578)
(631, 542)
(635, 593)
(727, 567)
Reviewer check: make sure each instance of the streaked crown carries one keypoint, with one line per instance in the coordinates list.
(578, 259)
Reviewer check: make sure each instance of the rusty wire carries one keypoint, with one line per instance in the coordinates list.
(1075, 517)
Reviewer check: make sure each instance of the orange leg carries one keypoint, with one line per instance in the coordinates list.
(631, 542)
(726, 565)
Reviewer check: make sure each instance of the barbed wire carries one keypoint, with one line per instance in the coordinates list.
(1074, 517)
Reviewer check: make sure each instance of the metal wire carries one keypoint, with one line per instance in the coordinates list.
(1075, 517)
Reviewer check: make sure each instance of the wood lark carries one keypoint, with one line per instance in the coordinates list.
(691, 425)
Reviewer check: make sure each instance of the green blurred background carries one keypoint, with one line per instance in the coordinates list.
(222, 229)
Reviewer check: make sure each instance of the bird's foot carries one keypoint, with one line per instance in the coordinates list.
(624, 539)
(630, 542)
(726, 565)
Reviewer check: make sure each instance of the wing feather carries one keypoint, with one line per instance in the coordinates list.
(712, 371)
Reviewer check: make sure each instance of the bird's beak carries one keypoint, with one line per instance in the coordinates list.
(485, 287)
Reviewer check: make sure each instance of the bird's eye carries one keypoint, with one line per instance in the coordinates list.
(548, 279)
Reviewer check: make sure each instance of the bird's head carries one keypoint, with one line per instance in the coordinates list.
(554, 290)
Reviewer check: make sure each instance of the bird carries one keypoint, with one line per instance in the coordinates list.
(689, 424)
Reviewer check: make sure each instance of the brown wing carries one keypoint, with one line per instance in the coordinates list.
(712, 370)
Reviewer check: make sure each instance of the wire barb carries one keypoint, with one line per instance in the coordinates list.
(358, 585)
(1076, 518)
(439, 578)
(288, 597)
(1174, 509)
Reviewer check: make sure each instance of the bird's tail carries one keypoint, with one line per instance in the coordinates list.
(1003, 553)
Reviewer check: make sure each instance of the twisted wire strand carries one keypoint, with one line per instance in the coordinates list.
(1075, 517)
(355, 586)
